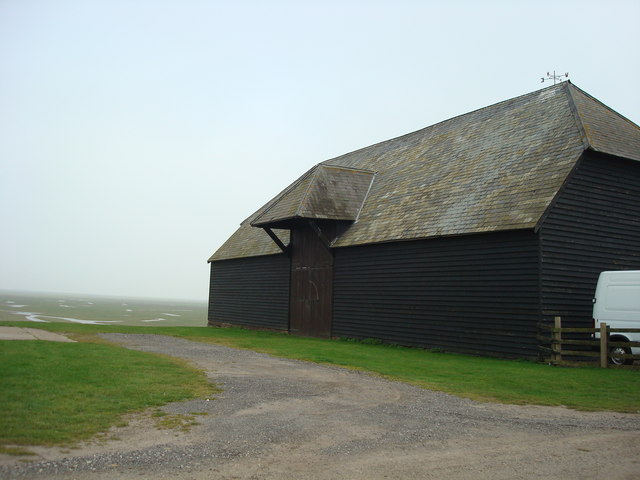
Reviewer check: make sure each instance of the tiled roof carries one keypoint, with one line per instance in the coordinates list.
(497, 168)
(325, 192)
(606, 131)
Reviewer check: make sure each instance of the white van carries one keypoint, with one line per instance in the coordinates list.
(617, 302)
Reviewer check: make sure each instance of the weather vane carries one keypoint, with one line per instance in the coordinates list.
(554, 77)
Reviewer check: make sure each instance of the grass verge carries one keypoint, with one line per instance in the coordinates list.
(479, 378)
(59, 393)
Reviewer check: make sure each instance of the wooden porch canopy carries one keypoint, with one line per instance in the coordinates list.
(326, 192)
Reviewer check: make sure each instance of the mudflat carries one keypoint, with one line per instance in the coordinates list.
(285, 419)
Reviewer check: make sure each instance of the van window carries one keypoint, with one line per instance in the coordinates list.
(622, 298)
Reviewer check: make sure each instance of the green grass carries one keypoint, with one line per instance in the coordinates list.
(484, 379)
(175, 421)
(57, 393)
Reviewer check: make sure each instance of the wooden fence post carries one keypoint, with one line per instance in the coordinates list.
(604, 345)
(556, 345)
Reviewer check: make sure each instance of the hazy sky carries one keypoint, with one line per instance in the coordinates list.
(136, 135)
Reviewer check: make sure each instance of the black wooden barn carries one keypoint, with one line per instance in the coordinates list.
(460, 236)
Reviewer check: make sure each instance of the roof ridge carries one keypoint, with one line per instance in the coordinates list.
(256, 215)
(584, 137)
(591, 97)
(305, 195)
(342, 167)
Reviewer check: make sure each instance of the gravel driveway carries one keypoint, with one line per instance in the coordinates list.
(284, 419)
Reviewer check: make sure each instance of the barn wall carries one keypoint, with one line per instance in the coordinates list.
(252, 292)
(475, 294)
(593, 226)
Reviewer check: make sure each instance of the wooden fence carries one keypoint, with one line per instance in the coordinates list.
(555, 346)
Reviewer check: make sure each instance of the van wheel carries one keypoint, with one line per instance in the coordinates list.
(616, 360)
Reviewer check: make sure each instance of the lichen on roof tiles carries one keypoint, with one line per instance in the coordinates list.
(325, 192)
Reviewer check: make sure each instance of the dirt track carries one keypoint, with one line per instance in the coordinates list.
(282, 419)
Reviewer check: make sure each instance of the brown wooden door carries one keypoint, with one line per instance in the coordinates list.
(311, 285)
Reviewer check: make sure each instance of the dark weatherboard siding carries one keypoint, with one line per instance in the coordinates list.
(593, 226)
(252, 292)
(475, 294)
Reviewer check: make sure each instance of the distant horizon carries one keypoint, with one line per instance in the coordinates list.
(99, 295)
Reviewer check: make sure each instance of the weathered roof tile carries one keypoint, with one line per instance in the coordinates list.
(325, 192)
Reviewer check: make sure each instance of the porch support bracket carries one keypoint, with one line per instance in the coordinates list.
(276, 240)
